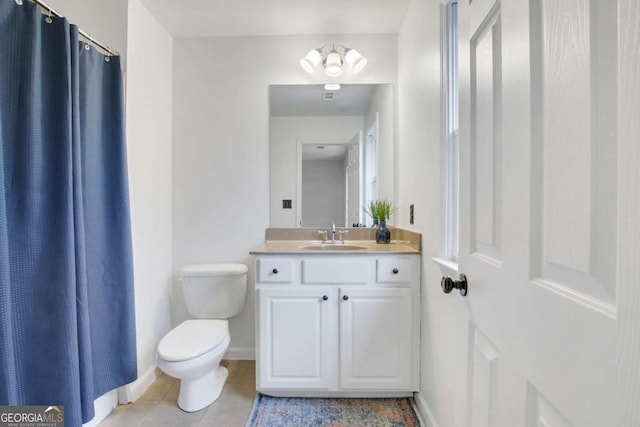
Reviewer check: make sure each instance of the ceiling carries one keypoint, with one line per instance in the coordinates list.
(314, 100)
(324, 151)
(212, 18)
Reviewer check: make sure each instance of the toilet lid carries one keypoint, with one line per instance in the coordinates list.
(192, 338)
(212, 270)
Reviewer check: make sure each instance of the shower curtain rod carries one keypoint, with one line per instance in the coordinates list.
(107, 49)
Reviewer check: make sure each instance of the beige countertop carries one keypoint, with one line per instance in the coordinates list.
(297, 247)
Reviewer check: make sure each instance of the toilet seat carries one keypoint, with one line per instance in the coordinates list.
(192, 338)
(213, 270)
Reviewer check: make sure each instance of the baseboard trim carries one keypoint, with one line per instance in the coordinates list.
(240, 353)
(102, 407)
(424, 411)
(132, 392)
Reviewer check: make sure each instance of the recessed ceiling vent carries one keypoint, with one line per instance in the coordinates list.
(328, 96)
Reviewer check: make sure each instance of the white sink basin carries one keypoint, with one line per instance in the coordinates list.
(333, 247)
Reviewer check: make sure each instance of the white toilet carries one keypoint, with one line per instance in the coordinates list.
(193, 350)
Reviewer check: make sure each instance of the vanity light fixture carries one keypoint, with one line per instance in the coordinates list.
(354, 59)
(332, 64)
(311, 60)
(333, 61)
(332, 86)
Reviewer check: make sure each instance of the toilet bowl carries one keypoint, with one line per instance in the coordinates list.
(193, 350)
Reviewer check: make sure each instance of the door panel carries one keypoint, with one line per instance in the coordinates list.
(549, 197)
(483, 380)
(541, 412)
(627, 371)
(573, 245)
(485, 141)
(574, 118)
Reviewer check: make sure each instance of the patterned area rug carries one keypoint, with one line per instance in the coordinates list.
(307, 412)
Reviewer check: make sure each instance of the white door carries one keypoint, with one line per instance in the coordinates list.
(550, 211)
(353, 181)
(297, 328)
(375, 339)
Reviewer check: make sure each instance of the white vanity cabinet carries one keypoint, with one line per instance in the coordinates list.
(339, 325)
(375, 339)
(295, 329)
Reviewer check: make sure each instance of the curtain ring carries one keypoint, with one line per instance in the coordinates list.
(19, 2)
(86, 46)
(48, 19)
(107, 58)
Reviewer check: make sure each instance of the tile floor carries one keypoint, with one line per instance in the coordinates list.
(158, 406)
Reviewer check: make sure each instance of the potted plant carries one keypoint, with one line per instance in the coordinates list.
(380, 210)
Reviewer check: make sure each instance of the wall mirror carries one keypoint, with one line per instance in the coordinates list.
(331, 152)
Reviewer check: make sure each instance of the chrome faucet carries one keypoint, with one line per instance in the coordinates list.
(325, 238)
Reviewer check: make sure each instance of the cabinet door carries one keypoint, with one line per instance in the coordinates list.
(294, 346)
(375, 339)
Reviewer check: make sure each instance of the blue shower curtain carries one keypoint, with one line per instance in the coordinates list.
(67, 332)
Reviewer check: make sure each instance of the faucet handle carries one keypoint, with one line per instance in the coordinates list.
(324, 235)
(341, 232)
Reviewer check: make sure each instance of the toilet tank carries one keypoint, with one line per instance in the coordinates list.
(214, 291)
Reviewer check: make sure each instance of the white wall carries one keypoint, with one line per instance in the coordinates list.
(149, 114)
(419, 181)
(323, 192)
(221, 143)
(285, 132)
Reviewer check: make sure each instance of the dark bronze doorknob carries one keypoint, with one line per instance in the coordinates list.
(448, 284)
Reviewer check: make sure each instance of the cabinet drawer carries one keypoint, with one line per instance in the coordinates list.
(334, 271)
(275, 270)
(394, 270)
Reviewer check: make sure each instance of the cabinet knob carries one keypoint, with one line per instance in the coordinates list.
(345, 297)
(448, 284)
(274, 271)
(324, 297)
(395, 271)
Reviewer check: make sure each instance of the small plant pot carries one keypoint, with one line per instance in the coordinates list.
(383, 234)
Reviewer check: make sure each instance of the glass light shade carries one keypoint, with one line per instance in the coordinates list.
(332, 86)
(311, 60)
(355, 60)
(333, 64)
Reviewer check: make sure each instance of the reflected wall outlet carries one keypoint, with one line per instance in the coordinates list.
(411, 214)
